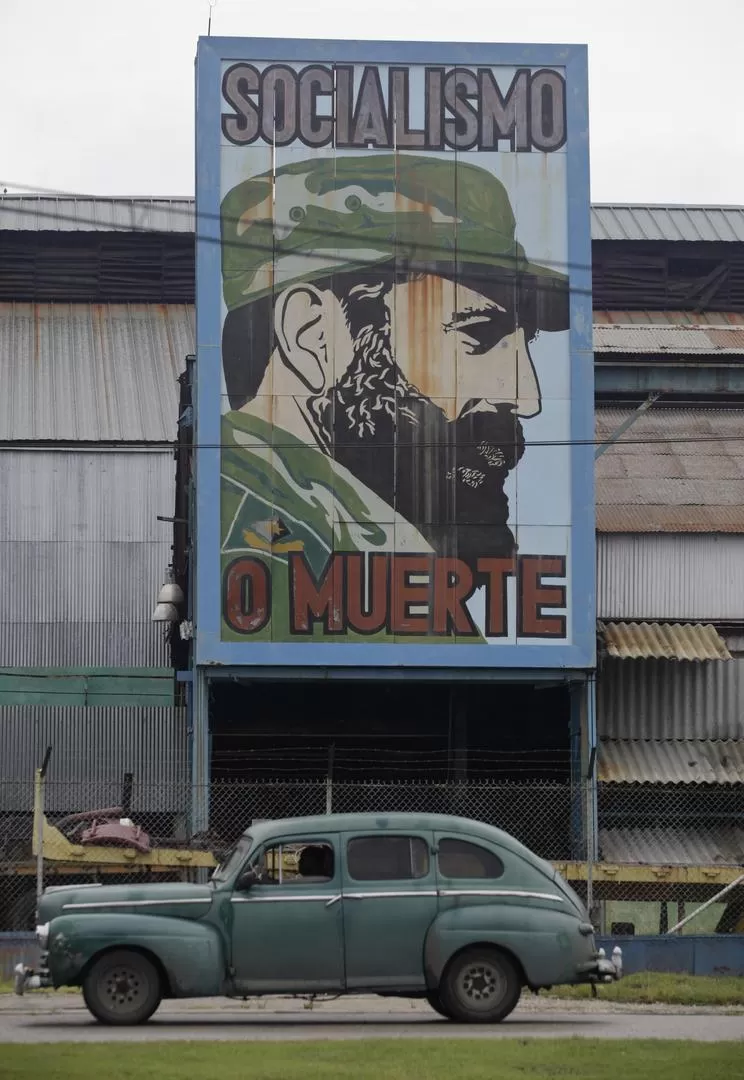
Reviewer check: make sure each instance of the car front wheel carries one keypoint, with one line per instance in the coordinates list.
(122, 987)
(481, 986)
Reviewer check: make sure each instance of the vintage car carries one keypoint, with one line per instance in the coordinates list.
(408, 905)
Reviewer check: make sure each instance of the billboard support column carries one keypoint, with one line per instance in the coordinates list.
(200, 754)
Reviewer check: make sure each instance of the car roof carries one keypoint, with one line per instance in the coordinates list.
(380, 822)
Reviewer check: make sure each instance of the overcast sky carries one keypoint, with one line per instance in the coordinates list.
(97, 95)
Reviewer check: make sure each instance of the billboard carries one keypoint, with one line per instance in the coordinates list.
(394, 371)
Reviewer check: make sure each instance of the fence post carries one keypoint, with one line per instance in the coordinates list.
(329, 780)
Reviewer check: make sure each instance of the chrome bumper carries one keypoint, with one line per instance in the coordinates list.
(602, 970)
(25, 978)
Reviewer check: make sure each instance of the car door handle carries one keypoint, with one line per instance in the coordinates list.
(333, 900)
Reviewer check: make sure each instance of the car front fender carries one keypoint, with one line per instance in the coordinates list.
(192, 954)
(547, 944)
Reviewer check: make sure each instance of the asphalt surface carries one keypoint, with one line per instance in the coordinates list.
(63, 1018)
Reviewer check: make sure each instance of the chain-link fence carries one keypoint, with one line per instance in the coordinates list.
(662, 852)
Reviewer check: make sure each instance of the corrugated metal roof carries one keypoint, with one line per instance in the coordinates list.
(733, 319)
(663, 641)
(83, 556)
(675, 846)
(613, 221)
(671, 761)
(674, 470)
(658, 699)
(668, 340)
(92, 371)
(80, 213)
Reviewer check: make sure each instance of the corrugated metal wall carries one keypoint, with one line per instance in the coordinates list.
(82, 557)
(667, 576)
(92, 749)
(670, 699)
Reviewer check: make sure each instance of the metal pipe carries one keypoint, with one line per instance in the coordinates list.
(39, 814)
(707, 904)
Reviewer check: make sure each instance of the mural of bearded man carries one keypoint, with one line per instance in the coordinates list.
(376, 360)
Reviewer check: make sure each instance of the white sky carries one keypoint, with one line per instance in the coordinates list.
(98, 95)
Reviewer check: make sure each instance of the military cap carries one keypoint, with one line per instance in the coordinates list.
(328, 215)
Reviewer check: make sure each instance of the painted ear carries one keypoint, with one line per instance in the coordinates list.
(300, 328)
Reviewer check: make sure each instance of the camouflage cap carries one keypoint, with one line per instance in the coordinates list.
(332, 214)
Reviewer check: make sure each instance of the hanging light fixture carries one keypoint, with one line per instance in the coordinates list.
(170, 591)
(167, 613)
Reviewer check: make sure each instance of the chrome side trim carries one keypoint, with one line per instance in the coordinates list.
(135, 903)
(389, 895)
(521, 893)
(85, 885)
(284, 899)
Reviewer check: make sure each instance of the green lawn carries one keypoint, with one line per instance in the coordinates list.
(400, 1059)
(653, 987)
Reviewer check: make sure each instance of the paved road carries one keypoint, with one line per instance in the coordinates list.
(63, 1018)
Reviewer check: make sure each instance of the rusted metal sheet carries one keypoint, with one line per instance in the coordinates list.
(614, 221)
(663, 641)
(92, 371)
(671, 341)
(720, 319)
(74, 213)
(677, 846)
(671, 761)
(674, 470)
(665, 577)
(661, 699)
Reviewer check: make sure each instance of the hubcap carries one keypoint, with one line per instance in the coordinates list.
(481, 986)
(123, 989)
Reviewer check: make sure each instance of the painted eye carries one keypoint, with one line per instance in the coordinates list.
(352, 202)
(296, 213)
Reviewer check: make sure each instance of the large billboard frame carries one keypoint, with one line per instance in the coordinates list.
(210, 649)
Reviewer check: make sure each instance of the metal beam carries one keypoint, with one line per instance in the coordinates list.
(628, 423)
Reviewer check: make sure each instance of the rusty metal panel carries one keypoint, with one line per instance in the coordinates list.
(83, 556)
(671, 761)
(670, 577)
(674, 470)
(714, 319)
(663, 641)
(662, 699)
(613, 221)
(72, 213)
(666, 340)
(674, 846)
(92, 371)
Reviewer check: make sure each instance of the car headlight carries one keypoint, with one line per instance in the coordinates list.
(42, 934)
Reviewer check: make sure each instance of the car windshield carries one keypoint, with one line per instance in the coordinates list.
(233, 859)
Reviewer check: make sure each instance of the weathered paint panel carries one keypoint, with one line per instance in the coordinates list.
(133, 686)
(704, 954)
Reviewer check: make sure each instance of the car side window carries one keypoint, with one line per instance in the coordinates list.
(387, 858)
(461, 859)
(298, 862)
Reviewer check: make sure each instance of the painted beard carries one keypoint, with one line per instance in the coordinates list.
(444, 476)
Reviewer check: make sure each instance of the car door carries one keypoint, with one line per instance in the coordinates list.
(287, 928)
(390, 901)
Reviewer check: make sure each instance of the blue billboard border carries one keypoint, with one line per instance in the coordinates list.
(209, 649)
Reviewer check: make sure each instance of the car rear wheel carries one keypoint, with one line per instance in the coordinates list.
(481, 986)
(122, 987)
